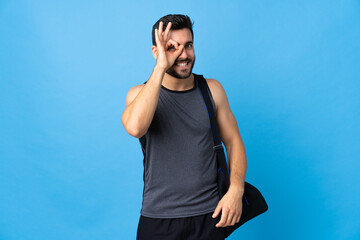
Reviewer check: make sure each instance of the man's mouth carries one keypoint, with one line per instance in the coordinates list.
(182, 64)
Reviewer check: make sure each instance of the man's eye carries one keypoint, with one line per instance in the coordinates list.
(188, 46)
(171, 48)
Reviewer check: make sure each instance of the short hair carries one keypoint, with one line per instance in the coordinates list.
(178, 22)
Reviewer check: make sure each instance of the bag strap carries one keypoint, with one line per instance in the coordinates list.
(218, 147)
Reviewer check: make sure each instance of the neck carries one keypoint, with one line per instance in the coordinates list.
(178, 84)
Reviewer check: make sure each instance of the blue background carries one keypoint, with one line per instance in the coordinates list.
(69, 170)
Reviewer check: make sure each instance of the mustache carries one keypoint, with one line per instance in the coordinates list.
(182, 61)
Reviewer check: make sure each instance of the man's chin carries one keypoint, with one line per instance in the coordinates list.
(177, 75)
(181, 75)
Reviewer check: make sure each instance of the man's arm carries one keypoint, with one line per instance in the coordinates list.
(141, 100)
(231, 203)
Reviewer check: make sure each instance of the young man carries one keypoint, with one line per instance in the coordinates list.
(169, 116)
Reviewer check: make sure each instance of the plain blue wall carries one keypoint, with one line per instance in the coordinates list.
(291, 70)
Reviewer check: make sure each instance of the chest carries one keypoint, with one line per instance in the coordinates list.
(181, 113)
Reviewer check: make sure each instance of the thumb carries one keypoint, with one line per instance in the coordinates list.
(217, 210)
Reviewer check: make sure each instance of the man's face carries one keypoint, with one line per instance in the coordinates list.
(184, 64)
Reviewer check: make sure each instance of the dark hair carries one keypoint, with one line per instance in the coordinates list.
(178, 22)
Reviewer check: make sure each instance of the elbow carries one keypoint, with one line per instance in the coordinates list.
(131, 129)
(134, 132)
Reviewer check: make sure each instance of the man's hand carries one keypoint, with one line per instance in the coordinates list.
(167, 49)
(231, 207)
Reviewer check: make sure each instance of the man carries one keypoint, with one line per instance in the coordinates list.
(169, 116)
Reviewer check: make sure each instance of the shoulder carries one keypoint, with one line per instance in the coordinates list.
(132, 93)
(214, 84)
(217, 91)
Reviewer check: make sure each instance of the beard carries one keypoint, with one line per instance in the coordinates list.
(184, 73)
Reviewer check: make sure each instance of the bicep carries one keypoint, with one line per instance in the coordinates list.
(132, 93)
(228, 126)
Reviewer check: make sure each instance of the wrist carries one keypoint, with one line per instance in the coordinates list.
(240, 189)
(160, 67)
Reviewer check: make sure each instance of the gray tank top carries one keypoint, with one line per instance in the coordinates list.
(179, 161)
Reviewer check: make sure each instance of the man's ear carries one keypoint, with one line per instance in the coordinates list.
(154, 51)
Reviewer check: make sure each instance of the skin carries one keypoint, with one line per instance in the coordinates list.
(173, 46)
(177, 78)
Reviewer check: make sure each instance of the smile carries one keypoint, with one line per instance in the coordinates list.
(182, 64)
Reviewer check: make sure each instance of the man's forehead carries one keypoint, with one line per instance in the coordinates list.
(181, 36)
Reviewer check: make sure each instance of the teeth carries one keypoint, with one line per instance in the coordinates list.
(182, 64)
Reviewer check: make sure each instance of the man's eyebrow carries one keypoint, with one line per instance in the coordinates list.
(188, 42)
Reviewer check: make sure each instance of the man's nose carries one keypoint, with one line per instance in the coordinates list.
(183, 54)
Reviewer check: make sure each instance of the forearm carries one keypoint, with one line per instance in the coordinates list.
(237, 166)
(139, 113)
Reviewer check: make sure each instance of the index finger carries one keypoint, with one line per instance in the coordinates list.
(172, 42)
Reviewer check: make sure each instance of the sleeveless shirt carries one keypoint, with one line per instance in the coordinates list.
(179, 160)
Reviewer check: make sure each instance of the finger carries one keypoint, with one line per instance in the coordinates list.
(160, 31)
(179, 51)
(223, 219)
(176, 44)
(157, 37)
(161, 25)
(229, 218)
(238, 218)
(167, 31)
(172, 43)
(217, 210)
(233, 220)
